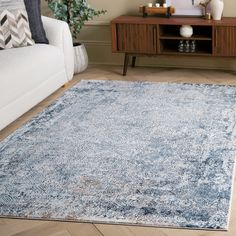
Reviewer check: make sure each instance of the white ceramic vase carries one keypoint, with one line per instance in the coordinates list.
(217, 7)
(80, 58)
(186, 31)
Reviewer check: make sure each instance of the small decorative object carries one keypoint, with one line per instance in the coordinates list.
(156, 11)
(208, 16)
(164, 5)
(187, 46)
(157, 4)
(193, 46)
(181, 46)
(75, 13)
(149, 4)
(205, 5)
(217, 7)
(186, 31)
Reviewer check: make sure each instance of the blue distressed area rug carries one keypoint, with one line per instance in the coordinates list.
(143, 153)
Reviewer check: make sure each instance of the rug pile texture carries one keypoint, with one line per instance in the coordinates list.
(125, 152)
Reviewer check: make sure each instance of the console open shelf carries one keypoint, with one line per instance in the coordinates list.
(171, 47)
(173, 31)
(169, 38)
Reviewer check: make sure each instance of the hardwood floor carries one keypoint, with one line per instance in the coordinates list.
(18, 227)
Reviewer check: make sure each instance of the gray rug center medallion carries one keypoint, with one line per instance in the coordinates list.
(154, 154)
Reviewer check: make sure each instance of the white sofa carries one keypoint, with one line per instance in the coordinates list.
(30, 74)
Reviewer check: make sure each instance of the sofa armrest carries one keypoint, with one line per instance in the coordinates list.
(58, 34)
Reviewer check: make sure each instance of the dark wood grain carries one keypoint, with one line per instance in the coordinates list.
(126, 63)
(226, 21)
(114, 37)
(225, 41)
(136, 38)
(133, 61)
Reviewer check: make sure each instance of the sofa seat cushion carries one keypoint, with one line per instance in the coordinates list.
(23, 69)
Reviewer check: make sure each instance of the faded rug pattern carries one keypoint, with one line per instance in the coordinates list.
(125, 152)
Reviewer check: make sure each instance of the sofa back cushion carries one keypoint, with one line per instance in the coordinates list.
(14, 25)
(33, 8)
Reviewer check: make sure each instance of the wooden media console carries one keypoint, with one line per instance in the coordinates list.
(139, 36)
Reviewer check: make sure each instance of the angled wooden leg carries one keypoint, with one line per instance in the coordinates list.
(126, 63)
(65, 85)
(133, 61)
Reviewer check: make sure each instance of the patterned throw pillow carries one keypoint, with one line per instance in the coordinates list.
(14, 25)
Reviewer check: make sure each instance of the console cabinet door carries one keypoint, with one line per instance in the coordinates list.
(136, 38)
(224, 41)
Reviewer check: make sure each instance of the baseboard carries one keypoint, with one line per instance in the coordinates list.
(97, 23)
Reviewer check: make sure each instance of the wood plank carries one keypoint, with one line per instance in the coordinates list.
(79, 229)
(18, 227)
(190, 38)
(51, 228)
(226, 21)
(13, 226)
(114, 37)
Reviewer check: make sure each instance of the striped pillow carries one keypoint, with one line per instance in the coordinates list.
(14, 25)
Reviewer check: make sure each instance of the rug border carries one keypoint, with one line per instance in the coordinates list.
(113, 223)
(232, 194)
(153, 82)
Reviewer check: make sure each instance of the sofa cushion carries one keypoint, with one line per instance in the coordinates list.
(14, 25)
(32, 67)
(34, 13)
